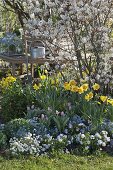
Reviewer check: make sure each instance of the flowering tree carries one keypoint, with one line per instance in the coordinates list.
(85, 26)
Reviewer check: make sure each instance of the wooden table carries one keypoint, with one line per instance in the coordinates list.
(23, 59)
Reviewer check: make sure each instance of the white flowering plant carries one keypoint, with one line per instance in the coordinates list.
(90, 143)
(85, 26)
(30, 137)
(30, 144)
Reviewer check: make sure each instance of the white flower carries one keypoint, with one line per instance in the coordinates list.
(103, 144)
(84, 40)
(77, 129)
(24, 4)
(88, 142)
(82, 136)
(99, 142)
(32, 16)
(87, 147)
(92, 137)
(108, 139)
(97, 76)
(69, 142)
(32, 107)
(104, 132)
(81, 142)
(66, 131)
(97, 135)
(81, 124)
(70, 126)
(57, 112)
(28, 108)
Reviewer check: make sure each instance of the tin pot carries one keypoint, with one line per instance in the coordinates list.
(38, 52)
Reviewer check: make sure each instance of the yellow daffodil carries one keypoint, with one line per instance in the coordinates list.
(80, 90)
(110, 101)
(43, 77)
(54, 81)
(67, 86)
(96, 86)
(74, 88)
(7, 82)
(36, 87)
(103, 98)
(89, 96)
(85, 87)
(46, 72)
(72, 83)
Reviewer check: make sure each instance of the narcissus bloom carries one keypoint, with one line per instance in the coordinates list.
(72, 83)
(80, 90)
(96, 86)
(54, 81)
(36, 87)
(43, 77)
(85, 87)
(110, 101)
(103, 98)
(7, 82)
(74, 88)
(46, 72)
(67, 86)
(89, 96)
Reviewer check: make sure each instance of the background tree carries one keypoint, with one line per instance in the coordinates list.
(83, 24)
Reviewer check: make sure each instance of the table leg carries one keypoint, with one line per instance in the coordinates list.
(13, 69)
(21, 69)
(32, 70)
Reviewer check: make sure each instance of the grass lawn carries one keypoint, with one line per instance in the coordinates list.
(62, 162)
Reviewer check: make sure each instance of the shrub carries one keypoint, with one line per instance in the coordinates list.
(17, 127)
(3, 140)
(15, 99)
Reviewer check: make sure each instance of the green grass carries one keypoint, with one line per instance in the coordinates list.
(61, 162)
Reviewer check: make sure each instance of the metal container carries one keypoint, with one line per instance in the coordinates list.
(38, 52)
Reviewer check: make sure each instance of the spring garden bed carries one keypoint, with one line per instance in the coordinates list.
(55, 115)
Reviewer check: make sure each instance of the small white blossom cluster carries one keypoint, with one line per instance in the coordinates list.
(77, 134)
(61, 137)
(42, 144)
(76, 124)
(38, 145)
(30, 144)
(97, 140)
(83, 140)
(102, 138)
(2, 126)
(105, 72)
